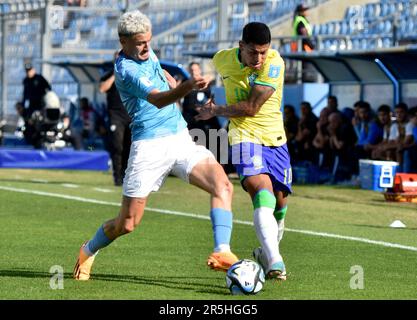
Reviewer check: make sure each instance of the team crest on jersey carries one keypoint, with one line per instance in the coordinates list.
(274, 71)
(252, 78)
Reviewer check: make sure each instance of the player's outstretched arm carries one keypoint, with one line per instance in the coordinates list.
(171, 81)
(161, 99)
(105, 85)
(246, 108)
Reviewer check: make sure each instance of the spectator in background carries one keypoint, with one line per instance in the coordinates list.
(348, 114)
(198, 128)
(410, 153)
(362, 129)
(35, 87)
(306, 132)
(76, 3)
(76, 126)
(82, 123)
(332, 104)
(378, 136)
(413, 112)
(119, 130)
(401, 136)
(341, 143)
(356, 120)
(291, 127)
(302, 27)
(88, 118)
(194, 99)
(369, 132)
(321, 139)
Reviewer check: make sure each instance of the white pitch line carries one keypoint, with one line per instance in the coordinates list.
(70, 185)
(102, 190)
(198, 216)
(38, 180)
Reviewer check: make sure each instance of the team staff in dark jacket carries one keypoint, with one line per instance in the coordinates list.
(120, 134)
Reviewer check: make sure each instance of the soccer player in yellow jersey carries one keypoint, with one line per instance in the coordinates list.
(253, 76)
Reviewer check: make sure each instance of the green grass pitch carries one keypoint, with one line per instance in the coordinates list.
(165, 257)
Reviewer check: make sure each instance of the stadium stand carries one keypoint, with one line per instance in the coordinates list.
(178, 26)
(86, 30)
(375, 25)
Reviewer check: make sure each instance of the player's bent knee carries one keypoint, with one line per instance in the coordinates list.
(126, 226)
(229, 188)
(223, 189)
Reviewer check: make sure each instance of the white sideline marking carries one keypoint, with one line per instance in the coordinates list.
(70, 185)
(102, 190)
(38, 180)
(197, 216)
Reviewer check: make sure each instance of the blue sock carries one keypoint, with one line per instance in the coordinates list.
(221, 220)
(99, 241)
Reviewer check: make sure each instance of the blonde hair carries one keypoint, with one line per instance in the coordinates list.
(133, 22)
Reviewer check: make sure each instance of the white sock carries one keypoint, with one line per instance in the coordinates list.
(266, 228)
(281, 227)
(222, 248)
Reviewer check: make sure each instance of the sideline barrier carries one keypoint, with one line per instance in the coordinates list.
(63, 159)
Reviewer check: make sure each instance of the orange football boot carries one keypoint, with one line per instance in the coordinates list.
(221, 261)
(83, 266)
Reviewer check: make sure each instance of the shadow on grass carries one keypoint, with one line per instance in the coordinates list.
(197, 284)
(382, 227)
(398, 205)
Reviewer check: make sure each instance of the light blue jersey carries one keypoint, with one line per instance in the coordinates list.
(134, 81)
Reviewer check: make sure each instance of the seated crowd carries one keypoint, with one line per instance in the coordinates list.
(337, 140)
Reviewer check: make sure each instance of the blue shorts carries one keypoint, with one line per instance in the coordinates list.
(251, 159)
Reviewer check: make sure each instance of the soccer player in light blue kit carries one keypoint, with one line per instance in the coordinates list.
(161, 145)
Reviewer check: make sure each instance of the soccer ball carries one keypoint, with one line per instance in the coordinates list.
(245, 277)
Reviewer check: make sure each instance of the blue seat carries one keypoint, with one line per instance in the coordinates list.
(410, 28)
(364, 44)
(386, 42)
(368, 11)
(388, 26)
(391, 8)
(384, 9)
(331, 28)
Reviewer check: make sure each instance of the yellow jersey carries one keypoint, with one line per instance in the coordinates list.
(267, 126)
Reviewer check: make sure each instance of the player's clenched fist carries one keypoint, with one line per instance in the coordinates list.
(200, 83)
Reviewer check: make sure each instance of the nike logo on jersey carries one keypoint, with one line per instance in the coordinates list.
(225, 77)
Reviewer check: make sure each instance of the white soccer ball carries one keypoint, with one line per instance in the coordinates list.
(245, 277)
